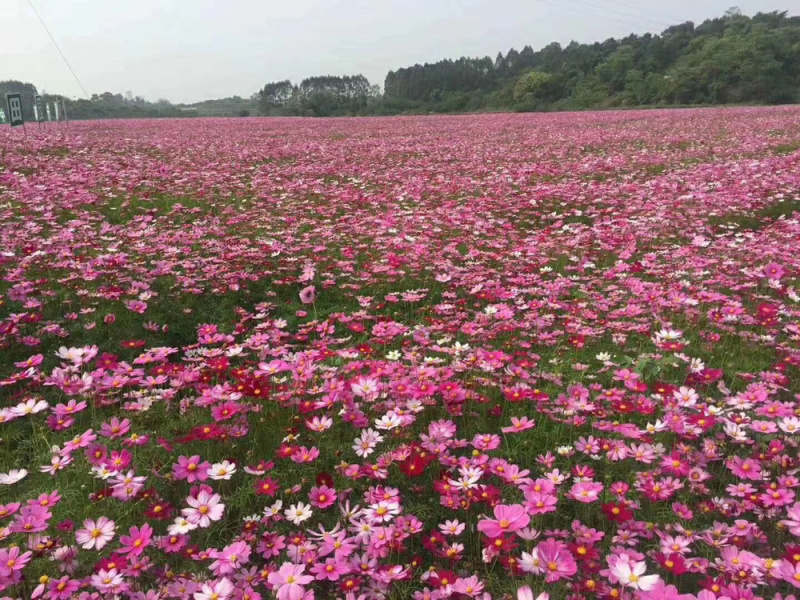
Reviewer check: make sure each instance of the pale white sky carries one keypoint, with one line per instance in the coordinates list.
(191, 50)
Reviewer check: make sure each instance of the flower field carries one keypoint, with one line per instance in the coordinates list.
(490, 356)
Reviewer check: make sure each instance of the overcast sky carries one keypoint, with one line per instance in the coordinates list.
(191, 50)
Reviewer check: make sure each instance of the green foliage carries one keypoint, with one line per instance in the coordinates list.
(117, 106)
(532, 85)
(235, 106)
(275, 97)
(322, 96)
(730, 59)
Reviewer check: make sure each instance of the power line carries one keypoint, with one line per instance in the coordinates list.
(626, 21)
(624, 14)
(55, 43)
(675, 21)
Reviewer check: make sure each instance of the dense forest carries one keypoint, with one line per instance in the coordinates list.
(733, 59)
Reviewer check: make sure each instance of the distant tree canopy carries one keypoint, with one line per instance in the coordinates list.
(117, 106)
(730, 59)
(323, 96)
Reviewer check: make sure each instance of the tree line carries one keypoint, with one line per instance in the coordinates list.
(732, 59)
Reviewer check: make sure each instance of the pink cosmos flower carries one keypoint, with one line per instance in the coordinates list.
(203, 509)
(136, 306)
(793, 522)
(305, 455)
(322, 496)
(519, 424)
(537, 503)
(586, 491)
(662, 591)
(469, 586)
(339, 544)
(115, 428)
(555, 560)
(62, 589)
(745, 468)
(95, 534)
(107, 581)
(330, 570)
(136, 541)
(12, 560)
(191, 468)
(31, 519)
(289, 581)
(230, 558)
(308, 295)
(508, 518)
(777, 497)
(525, 593)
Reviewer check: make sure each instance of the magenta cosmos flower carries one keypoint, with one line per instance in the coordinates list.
(508, 518)
(774, 271)
(135, 543)
(191, 468)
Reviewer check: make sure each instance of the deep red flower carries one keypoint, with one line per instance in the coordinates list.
(617, 512)
(674, 563)
(266, 487)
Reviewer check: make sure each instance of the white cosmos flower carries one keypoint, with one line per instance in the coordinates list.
(181, 526)
(13, 476)
(31, 406)
(71, 354)
(659, 426)
(789, 425)
(297, 513)
(223, 470)
(102, 472)
(632, 575)
(388, 421)
(7, 415)
(274, 510)
(696, 365)
(669, 334)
